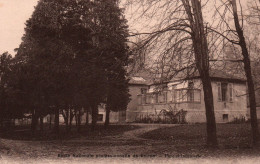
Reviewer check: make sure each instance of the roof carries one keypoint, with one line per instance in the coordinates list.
(226, 75)
(141, 78)
(144, 77)
(215, 74)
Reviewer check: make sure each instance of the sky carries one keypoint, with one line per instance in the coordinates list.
(13, 15)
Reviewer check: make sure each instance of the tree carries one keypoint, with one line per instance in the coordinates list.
(117, 88)
(234, 33)
(111, 42)
(247, 67)
(180, 38)
(11, 106)
(46, 59)
(71, 42)
(5, 69)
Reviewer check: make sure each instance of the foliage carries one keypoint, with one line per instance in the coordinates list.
(9, 106)
(238, 120)
(73, 55)
(164, 117)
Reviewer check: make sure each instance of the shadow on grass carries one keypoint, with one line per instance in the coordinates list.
(230, 136)
(24, 133)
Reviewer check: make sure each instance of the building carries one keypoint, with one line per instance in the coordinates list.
(138, 84)
(229, 93)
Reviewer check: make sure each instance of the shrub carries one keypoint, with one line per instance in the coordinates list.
(238, 120)
(164, 117)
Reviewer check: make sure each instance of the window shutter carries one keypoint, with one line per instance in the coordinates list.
(177, 96)
(165, 97)
(230, 92)
(139, 99)
(219, 91)
(174, 96)
(180, 96)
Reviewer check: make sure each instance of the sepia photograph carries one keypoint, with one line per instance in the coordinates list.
(129, 81)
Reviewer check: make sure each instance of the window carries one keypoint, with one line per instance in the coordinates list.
(230, 92)
(178, 96)
(219, 92)
(225, 117)
(100, 117)
(225, 92)
(143, 90)
(164, 87)
(162, 97)
(181, 95)
(155, 98)
(143, 99)
(190, 92)
(187, 95)
(148, 99)
(139, 99)
(172, 95)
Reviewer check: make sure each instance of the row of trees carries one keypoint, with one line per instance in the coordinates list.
(73, 56)
(184, 42)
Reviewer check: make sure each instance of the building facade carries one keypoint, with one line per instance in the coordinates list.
(229, 93)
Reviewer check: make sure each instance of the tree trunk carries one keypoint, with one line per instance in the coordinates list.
(76, 117)
(56, 123)
(66, 118)
(107, 116)
(94, 108)
(41, 123)
(79, 120)
(200, 47)
(1, 122)
(252, 101)
(247, 68)
(87, 113)
(50, 122)
(210, 115)
(71, 118)
(34, 121)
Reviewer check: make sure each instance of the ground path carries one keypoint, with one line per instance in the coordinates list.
(144, 128)
(127, 143)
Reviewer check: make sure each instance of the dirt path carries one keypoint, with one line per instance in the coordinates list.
(144, 128)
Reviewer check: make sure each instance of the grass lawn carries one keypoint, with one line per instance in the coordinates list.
(163, 141)
(229, 135)
(234, 140)
(24, 132)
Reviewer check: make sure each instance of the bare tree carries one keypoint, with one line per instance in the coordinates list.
(247, 67)
(253, 17)
(180, 42)
(234, 33)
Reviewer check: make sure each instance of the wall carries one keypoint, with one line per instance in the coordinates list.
(196, 111)
(134, 90)
(235, 109)
(257, 96)
(113, 116)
